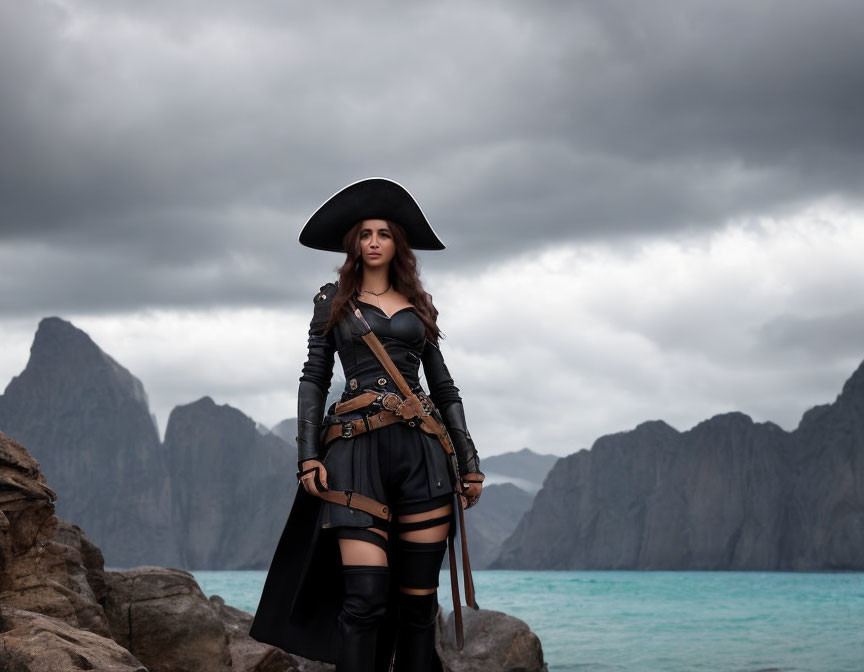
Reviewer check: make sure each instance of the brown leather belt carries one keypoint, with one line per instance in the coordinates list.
(354, 500)
(362, 400)
(395, 410)
(351, 428)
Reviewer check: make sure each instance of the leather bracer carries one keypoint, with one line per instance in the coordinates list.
(445, 396)
(466, 453)
(310, 412)
(316, 377)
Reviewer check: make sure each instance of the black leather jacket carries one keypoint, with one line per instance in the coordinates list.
(403, 336)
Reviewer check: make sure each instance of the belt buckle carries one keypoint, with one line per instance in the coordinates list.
(391, 401)
(347, 430)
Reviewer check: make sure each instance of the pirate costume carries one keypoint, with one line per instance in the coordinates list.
(389, 449)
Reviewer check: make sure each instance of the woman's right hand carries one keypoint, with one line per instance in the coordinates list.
(308, 480)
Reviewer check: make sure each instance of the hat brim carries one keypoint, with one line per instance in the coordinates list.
(372, 198)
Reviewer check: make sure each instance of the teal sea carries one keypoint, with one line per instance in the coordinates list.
(617, 621)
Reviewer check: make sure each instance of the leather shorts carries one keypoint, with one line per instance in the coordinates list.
(400, 466)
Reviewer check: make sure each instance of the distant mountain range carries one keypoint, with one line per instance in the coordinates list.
(89, 423)
(214, 495)
(524, 468)
(727, 494)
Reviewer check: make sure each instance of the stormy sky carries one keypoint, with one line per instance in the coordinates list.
(651, 210)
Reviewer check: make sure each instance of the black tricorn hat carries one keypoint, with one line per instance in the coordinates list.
(372, 198)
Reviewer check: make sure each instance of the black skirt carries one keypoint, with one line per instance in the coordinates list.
(397, 465)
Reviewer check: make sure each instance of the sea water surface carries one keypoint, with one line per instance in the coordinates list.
(617, 621)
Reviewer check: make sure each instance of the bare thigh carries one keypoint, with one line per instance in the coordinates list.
(357, 552)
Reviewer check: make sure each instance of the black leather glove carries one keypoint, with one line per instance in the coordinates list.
(316, 377)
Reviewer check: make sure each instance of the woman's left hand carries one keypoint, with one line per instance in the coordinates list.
(470, 493)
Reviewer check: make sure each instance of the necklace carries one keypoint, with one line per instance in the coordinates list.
(376, 294)
(368, 291)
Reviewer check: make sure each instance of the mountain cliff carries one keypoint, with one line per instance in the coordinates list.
(825, 525)
(727, 494)
(493, 520)
(215, 495)
(88, 423)
(232, 486)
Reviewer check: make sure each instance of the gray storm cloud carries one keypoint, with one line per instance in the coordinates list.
(178, 147)
(652, 210)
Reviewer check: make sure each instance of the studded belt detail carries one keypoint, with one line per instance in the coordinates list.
(393, 410)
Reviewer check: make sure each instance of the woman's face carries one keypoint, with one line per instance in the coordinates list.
(376, 243)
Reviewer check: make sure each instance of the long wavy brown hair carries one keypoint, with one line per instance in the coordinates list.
(403, 275)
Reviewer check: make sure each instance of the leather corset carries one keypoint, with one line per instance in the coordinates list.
(403, 335)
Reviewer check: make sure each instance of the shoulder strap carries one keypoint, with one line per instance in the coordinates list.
(378, 350)
(416, 408)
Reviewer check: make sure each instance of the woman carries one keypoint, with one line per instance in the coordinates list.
(355, 574)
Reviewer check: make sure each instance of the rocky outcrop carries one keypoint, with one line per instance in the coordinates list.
(233, 486)
(163, 618)
(61, 611)
(494, 642)
(46, 564)
(250, 654)
(87, 420)
(33, 642)
(727, 494)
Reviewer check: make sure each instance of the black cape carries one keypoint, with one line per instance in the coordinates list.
(303, 591)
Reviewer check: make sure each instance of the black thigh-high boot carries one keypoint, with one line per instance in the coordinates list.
(415, 647)
(418, 566)
(363, 611)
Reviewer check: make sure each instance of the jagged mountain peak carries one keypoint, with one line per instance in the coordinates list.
(62, 351)
(656, 426)
(854, 386)
(204, 402)
(59, 343)
(527, 452)
(651, 431)
(206, 412)
(58, 339)
(848, 404)
(732, 419)
(207, 405)
(56, 325)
